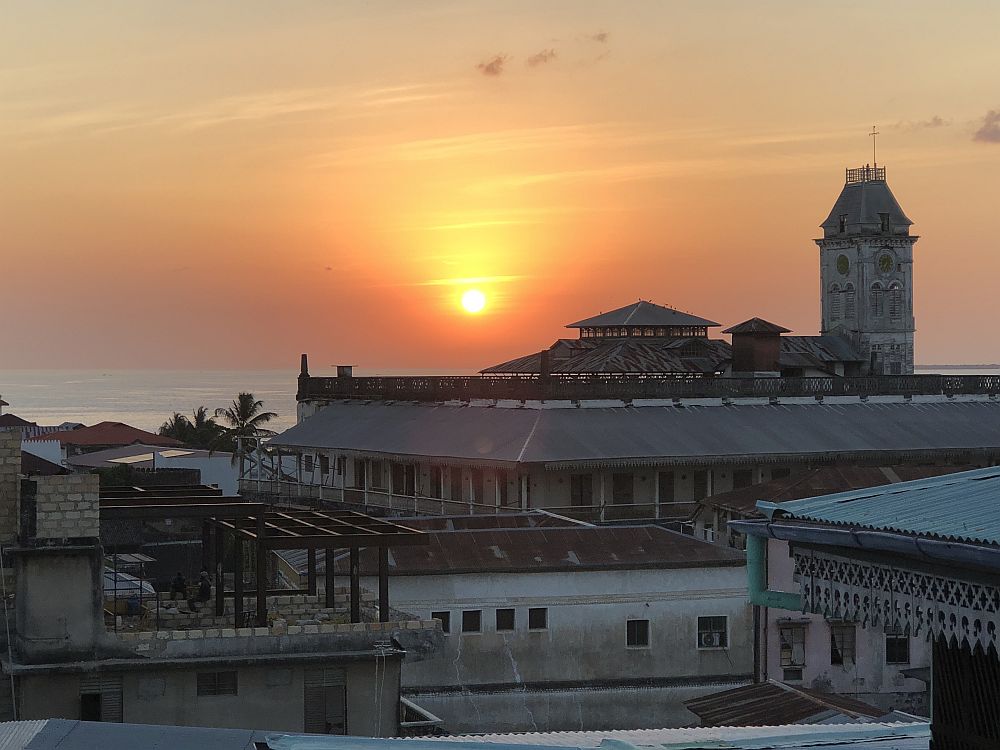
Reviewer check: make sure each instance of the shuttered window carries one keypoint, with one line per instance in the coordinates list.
(103, 693)
(217, 683)
(325, 701)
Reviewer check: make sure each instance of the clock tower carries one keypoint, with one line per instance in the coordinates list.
(866, 273)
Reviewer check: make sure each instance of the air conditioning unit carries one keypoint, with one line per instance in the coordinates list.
(711, 640)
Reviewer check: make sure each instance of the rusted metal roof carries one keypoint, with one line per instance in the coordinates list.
(643, 313)
(627, 355)
(756, 325)
(538, 550)
(772, 703)
(826, 349)
(109, 433)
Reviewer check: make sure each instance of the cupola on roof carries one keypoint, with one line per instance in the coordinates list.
(643, 313)
(863, 204)
(757, 325)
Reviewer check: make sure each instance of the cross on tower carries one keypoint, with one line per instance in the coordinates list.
(874, 135)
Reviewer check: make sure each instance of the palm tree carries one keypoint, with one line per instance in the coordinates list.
(204, 429)
(245, 418)
(177, 427)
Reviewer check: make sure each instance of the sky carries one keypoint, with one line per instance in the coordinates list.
(227, 185)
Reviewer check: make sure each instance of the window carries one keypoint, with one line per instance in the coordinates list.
(780, 473)
(665, 488)
(324, 465)
(456, 484)
(842, 644)
(843, 223)
(378, 475)
(637, 633)
(849, 301)
(884, 220)
(713, 632)
(581, 490)
(835, 302)
(403, 478)
(472, 621)
(217, 683)
(622, 489)
(876, 300)
(437, 481)
(503, 491)
(478, 486)
(897, 647)
(792, 641)
(341, 465)
(445, 618)
(307, 464)
(505, 619)
(700, 485)
(359, 472)
(895, 301)
(538, 618)
(742, 478)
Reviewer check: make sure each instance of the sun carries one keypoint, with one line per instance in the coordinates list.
(473, 301)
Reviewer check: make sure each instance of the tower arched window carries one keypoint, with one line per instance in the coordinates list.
(836, 306)
(876, 300)
(895, 301)
(849, 301)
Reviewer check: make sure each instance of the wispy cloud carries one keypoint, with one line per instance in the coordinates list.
(932, 122)
(989, 128)
(601, 37)
(494, 66)
(540, 58)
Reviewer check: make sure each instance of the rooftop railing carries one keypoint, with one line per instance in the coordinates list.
(865, 174)
(629, 387)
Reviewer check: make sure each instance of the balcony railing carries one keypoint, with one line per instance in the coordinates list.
(628, 387)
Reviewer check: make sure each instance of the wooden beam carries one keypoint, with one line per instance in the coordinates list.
(328, 579)
(383, 584)
(261, 574)
(311, 570)
(355, 585)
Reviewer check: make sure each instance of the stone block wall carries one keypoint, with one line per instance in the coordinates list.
(10, 484)
(67, 506)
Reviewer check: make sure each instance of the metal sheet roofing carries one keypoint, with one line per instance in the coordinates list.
(695, 355)
(643, 313)
(65, 734)
(559, 436)
(958, 507)
(756, 325)
(109, 433)
(862, 202)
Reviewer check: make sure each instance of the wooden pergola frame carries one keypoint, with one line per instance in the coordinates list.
(270, 529)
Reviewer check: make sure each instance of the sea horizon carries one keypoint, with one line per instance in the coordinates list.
(147, 397)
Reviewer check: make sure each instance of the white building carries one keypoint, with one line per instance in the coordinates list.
(568, 626)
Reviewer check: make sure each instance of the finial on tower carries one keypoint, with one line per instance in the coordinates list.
(874, 135)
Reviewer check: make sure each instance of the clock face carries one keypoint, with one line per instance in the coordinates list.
(885, 263)
(843, 265)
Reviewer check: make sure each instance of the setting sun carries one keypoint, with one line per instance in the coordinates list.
(473, 301)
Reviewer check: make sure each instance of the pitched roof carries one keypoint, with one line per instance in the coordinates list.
(819, 481)
(137, 454)
(957, 507)
(629, 434)
(643, 313)
(861, 203)
(33, 465)
(817, 351)
(772, 703)
(696, 355)
(109, 433)
(12, 420)
(756, 325)
(546, 549)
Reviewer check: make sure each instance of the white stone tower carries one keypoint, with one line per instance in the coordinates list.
(866, 273)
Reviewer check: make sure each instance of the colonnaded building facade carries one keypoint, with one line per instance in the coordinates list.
(644, 414)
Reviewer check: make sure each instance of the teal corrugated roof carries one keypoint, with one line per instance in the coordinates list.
(958, 507)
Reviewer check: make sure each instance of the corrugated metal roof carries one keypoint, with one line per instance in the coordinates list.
(482, 434)
(959, 507)
(774, 703)
(756, 325)
(15, 735)
(695, 355)
(66, 734)
(643, 313)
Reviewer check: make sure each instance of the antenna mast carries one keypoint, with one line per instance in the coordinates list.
(874, 135)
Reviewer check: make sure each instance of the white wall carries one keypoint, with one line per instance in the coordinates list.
(50, 450)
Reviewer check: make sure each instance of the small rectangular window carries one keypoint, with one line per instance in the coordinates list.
(581, 490)
(665, 486)
(457, 492)
(437, 482)
(341, 465)
(700, 485)
(324, 464)
(792, 641)
(505, 619)
(842, 644)
(780, 473)
(445, 618)
(307, 464)
(713, 632)
(359, 473)
(217, 683)
(378, 475)
(622, 489)
(897, 647)
(538, 618)
(742, 478)
(503, 495)
(472, 621)
(637, 633)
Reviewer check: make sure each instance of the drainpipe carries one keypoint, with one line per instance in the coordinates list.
(757, 579)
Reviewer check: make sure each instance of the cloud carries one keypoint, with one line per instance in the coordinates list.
(540, 58)
(989, 131)
(601, 37)
(934, 122)
(494, 66)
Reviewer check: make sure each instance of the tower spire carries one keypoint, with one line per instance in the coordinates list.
(874, 135)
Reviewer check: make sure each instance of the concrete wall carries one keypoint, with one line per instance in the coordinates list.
(67, 506)
(268, 697)
(10, 485)
(868, 678)
(584, 644)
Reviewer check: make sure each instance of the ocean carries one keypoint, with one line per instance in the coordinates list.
(147, 398)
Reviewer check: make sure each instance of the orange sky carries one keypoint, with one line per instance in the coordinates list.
(230, 184)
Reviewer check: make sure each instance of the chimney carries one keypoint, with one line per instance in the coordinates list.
(756, 348)
(545, 364)
(304, 369)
